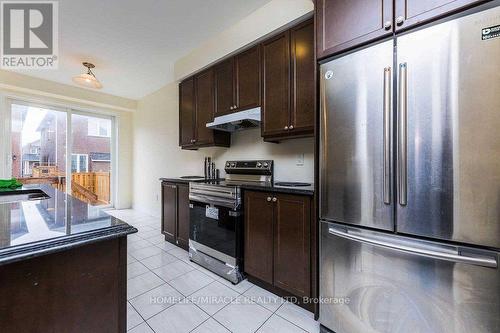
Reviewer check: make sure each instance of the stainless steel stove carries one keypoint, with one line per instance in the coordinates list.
(216, 217)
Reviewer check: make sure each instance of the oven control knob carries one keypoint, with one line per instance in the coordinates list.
(227, 165)
(259, 164)
(233, 165)
(266, 165)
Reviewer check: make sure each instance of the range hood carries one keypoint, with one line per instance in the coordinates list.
(236, 121)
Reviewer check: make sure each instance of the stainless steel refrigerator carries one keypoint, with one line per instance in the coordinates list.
(410, 182)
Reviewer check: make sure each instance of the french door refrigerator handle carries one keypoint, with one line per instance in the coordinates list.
(402, 135)
(387, 135)
(422, 251)
(323, 131)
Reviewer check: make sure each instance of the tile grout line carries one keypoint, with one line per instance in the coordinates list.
(291, 321)
(186, 298)
(194, 269)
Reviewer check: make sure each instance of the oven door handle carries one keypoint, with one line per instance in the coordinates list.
(233, 204)
(225, 193)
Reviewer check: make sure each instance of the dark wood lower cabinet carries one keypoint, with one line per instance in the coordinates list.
(83, 289)
(169, 211)
(183, 216)
(278, 240)
(175, 214)
(259, 235)
(292, 245)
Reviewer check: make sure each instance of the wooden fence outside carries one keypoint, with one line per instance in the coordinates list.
(97, 183)
(91, 187)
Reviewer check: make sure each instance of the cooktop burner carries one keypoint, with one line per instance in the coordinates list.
(292, 184)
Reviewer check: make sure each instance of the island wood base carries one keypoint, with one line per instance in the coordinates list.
(83, 289)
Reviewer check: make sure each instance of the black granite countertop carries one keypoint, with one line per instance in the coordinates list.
(37, 227)
(272, 187)
(182, 180)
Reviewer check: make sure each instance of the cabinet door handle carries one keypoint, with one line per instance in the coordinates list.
(274, 199)
(286, 128)
(268, 199)
(400, 20)
(387, 25)
(290, 127)
(230, 108)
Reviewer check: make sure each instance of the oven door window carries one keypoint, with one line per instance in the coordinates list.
(213, 226)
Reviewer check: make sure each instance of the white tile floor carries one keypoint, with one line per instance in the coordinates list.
(168, 293)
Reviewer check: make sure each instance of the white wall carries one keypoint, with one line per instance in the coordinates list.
(249, 144)
(156, 150)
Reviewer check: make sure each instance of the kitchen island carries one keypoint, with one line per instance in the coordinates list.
(62, 264)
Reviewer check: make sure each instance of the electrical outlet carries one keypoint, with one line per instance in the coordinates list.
(300, 160)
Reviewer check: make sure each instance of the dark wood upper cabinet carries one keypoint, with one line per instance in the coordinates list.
(169, 211)
(205, 103)
(276, 85)
(183, 216)
(409, 13)
(247, 68)
(303, 68)
(277, 74)
(224, 87)
(196, 109)
(289, 84)
(237, 82)
(342, 25)
(292, 248)
(259, 235)
(345, 24)
(186, 112)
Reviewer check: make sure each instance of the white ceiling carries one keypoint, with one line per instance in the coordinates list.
(134, 43)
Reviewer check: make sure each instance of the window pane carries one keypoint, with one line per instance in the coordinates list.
(93, 126)
(83, 163)
(38, 137)
(92, 146)
(74, 163)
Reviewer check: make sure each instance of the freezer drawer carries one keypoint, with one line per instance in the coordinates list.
(395, 284)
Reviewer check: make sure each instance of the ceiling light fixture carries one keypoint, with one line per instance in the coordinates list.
(88, 79)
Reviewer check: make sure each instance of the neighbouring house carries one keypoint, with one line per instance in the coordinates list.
(30, 158)
(91, 138)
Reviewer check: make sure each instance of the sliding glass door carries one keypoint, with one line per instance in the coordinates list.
(66, 149)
